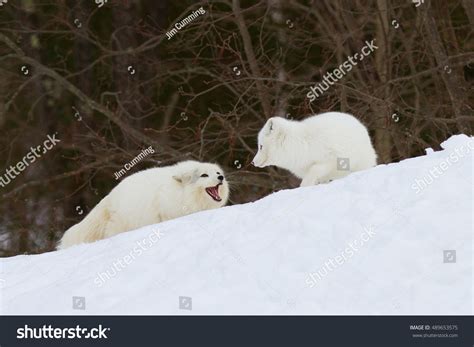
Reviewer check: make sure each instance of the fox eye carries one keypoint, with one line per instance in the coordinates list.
(261, 146)
(204, 175)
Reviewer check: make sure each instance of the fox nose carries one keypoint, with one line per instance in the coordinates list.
(220, 178)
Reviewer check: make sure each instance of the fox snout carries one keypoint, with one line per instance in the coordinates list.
(257, 162)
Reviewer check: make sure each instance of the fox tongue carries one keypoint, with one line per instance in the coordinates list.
(214, 192)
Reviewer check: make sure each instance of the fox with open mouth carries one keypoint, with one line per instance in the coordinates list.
(152, 196)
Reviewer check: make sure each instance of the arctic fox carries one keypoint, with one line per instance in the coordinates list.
(317, 149)
(152, 196)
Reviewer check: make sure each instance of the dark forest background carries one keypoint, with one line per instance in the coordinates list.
(109, 82)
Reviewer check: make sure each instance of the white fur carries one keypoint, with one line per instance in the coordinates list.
(149, 197)
(311, 148)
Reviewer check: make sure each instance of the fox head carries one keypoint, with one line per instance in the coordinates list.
(204, 183)
(271, 139)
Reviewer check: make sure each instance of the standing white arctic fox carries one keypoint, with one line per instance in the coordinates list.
(317, 149)
(152, 196)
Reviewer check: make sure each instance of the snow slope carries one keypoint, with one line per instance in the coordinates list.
(281, 254)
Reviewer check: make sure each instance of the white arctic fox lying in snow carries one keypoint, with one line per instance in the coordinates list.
(152, 196)
(317, 149)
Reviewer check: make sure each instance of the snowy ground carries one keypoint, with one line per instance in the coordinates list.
(371, 243)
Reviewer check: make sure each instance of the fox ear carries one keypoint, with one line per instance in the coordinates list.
(184, 178)
(273, 126)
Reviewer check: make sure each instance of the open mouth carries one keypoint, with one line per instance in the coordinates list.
(214, 192)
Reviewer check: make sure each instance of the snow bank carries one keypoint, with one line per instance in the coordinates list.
(380, 241)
